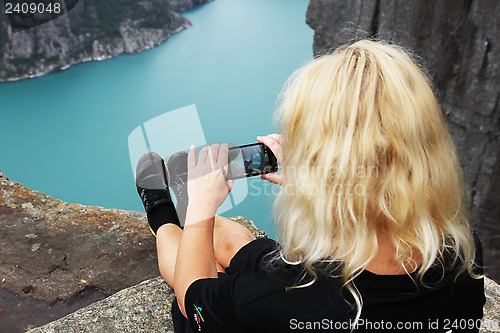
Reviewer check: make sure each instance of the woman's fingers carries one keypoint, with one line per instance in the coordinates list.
(213, 155)
(207, 186)
(214, 148)
(277, 137)
(191, 159)
(223, 154)
(223, 157)
(202, 157)
(229, 185)
(210, 157)
(274, 178)
(273, 141)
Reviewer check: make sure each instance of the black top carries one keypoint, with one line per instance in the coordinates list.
(252, 297)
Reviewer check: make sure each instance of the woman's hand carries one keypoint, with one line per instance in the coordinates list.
(274, 142)
(207, 184)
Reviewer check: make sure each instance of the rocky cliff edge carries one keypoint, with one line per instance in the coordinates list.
(146, 308)
(52, 250)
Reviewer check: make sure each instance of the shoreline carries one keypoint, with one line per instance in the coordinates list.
(60, 68)
(70, 39)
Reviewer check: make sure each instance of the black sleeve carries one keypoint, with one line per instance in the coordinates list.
(251, 255)
(209, 304)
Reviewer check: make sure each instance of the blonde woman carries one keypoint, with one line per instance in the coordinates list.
(372, 227)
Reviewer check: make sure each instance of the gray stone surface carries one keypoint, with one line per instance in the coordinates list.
(146, 308)
(458, 42)
(491, 318)
(141, 308)
(52, 250)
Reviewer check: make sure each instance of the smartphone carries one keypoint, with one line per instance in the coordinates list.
(250, 160)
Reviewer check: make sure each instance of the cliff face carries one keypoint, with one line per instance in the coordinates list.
(458, 43)
(92, 30)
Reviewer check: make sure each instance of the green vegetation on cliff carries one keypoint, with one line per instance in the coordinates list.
(91, 30)
(3, 38)
(104, 17)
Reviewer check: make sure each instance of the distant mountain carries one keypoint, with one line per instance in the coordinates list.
(90, 30)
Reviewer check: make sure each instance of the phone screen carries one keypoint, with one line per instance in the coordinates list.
(250, 160)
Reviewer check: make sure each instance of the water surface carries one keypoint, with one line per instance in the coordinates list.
(66, 133)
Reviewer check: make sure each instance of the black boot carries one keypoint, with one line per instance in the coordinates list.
(152, 186)
(177, 178)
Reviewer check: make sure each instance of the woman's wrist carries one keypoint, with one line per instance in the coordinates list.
(199, 211)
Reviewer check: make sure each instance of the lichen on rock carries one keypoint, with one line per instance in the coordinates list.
(141, 308)
(146, 308)
(52, 246)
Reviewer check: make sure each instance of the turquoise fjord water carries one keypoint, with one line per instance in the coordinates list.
(66, 133)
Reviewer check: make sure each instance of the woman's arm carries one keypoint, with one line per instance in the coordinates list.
(195, 258)
(207, 190)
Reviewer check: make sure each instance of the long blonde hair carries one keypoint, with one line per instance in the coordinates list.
(367, 151)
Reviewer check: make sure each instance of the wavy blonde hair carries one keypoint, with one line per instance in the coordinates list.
(367, 151)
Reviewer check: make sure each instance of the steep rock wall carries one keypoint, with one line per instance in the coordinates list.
(458, 42)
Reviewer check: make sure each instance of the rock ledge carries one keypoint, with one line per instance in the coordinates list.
(146, 308)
